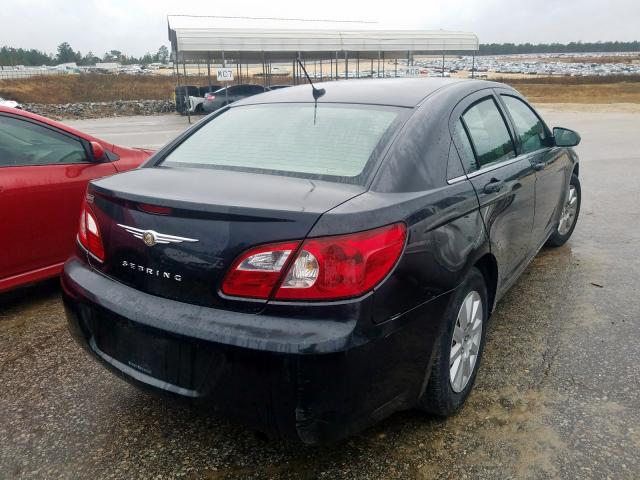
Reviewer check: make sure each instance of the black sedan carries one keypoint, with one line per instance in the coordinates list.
(310, 268)
(226, 95)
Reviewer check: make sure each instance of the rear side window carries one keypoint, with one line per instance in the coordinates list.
(465, 150)
(488, 133)
(529, 127)
(284, 138)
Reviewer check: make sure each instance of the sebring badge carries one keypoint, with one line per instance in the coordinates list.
(151, 237)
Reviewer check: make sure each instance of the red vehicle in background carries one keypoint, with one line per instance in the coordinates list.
(44, 170)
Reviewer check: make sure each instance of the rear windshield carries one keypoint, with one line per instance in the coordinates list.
(285, 139)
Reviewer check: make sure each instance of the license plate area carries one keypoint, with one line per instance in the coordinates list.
(175, 359)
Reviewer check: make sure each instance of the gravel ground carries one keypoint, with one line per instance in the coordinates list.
(556, 396)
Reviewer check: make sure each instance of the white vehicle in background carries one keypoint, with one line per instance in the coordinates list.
(10, 103)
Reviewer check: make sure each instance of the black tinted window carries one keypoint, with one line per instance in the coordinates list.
(465, 150)
(24, 143)
(489, 134)
(529, 127)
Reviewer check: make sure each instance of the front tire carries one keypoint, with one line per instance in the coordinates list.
(569, 214)
(460, 348)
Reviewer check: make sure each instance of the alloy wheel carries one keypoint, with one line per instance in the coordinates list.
(465, 344)
(568, 216)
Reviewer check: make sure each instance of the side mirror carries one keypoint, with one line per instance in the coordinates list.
(97, 150)
(564, 137)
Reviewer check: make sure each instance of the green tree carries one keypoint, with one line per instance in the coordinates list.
(163, 54)
(65, 53)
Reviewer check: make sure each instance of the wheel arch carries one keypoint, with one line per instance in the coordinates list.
(576, 169)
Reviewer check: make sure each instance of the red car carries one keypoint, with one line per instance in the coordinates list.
(44, 170)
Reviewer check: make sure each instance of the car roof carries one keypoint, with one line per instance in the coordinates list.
(402, 92)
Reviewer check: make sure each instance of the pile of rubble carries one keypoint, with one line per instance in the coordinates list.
(117, 108)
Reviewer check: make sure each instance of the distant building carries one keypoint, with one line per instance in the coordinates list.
(66, 66)
(108, 66)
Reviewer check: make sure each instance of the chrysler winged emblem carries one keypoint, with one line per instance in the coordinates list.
(151, 237)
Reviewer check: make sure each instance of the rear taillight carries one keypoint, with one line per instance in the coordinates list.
(326, 268)
(89, 233)
(256, 272)
(210, 97)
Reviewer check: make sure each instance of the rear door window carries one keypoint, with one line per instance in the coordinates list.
(529, 128)
(488, 133)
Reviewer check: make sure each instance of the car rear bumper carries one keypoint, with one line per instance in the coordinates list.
(313, 380)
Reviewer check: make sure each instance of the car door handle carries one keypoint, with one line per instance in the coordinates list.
(538, 166)
(493, 186)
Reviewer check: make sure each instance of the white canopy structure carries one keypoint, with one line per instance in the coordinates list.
(255, 40)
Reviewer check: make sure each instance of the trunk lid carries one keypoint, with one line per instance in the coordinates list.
(201, 219)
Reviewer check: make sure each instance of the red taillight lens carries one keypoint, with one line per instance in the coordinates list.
(256, 272)
(327, 268)
(154, 209)
(211, 97)
(343, 266)
(89, 233)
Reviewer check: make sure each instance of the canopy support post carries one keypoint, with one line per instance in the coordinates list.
(226, 84)
(186, 92)
(346, 65)
(473, 64)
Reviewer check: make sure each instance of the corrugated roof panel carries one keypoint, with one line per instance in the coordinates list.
(196, 35)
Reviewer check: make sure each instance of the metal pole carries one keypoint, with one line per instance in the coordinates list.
(346, 65)
(226, 84)
(473, 64)
(186, 92)
(209, 70)
(383, 62)
(358, 65)
(378, 74)
(177, 72)
(371, 67)
(320, 69)
(336, 65)
(395, 68)
(443, 63)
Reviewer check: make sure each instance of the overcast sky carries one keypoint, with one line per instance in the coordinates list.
(137, 26)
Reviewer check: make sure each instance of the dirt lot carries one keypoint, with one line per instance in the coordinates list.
(556, 397)
(62, 89)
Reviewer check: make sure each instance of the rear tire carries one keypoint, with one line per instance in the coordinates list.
(448, 387)
(568, 216)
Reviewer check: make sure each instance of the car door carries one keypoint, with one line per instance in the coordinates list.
(43, 175)
(504, 183)
(551, 165)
